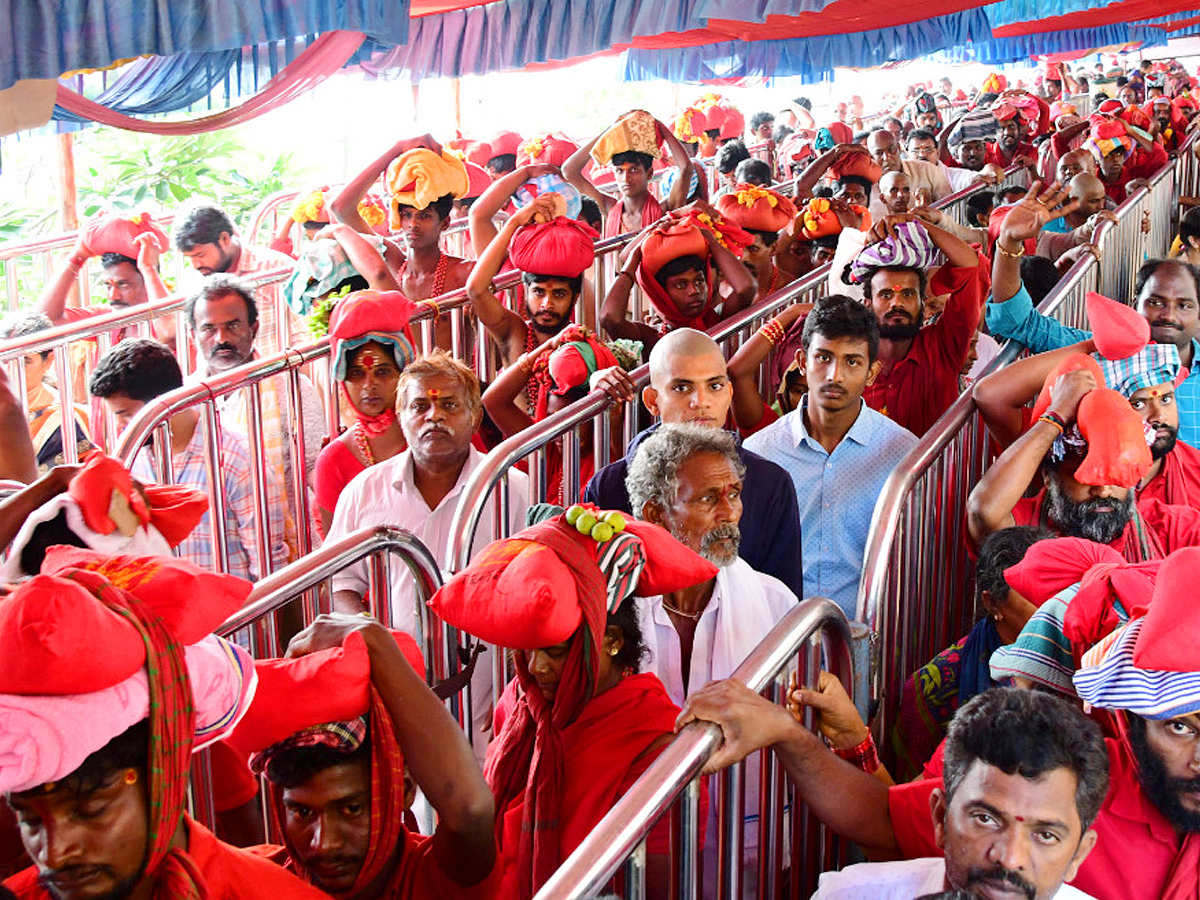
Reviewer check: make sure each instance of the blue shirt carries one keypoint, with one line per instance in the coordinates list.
(770, 523)
(836, 492)
(1017, 320)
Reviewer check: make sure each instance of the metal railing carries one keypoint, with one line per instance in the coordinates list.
(813, 635)
(99, 333)
(917, 592)
(306, 581)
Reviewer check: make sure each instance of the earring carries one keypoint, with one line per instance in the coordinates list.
(613, 651)
(998, 616)
(131, 776)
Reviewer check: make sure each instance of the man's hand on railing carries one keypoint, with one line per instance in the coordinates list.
(748, 722)
(615, 382)
(327, 630)
(1093, 222)
(1072, 256)
(1145, 226)
(837, 717)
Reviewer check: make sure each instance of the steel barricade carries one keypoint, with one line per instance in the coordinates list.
(916, 593)
(100, 331)
(956, 204)
(812, 635)
(303, 580)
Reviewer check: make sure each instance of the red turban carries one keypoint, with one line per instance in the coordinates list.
(549, 149)
(563, 247)
(116, 234)
(858, 164)
(478, 152)
(506, 142)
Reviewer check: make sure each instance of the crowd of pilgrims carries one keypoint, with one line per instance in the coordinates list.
(1053, 750)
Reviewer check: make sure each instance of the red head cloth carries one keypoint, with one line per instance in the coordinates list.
(363, 317)
(1110, 108)
(108, 501)
(715, 115)
(669, 242)
(1117, 450)
(571, 365)
(116, 234)
(1053, 71)
(549, 150)
(1062, 108)
(756, 208)
(734, 125)
(1107, 134)
(842, 133)
(294, 694)
(506, 142)
(1067, 364)
(1118, 330)
(544, 585)
(1136, 116)
(478, 180)
(478, 152)
(563, 247)
(1024, 104)
(1166, 642)
(1051, 566)
(859, 164)
(816, 218)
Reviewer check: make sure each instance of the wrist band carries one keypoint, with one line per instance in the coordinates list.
(865, 756)
(773, 332)
(1054, 419)
(437, 311)
(1009, 254)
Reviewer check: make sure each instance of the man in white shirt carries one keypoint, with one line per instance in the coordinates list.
(688, 479)
(439, 408)
(1024, 780)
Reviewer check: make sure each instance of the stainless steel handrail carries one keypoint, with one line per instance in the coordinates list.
(625, 826)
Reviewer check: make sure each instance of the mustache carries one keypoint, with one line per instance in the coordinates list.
(226, 347)
(53, 881)
(1002, 875)
(1164, 324)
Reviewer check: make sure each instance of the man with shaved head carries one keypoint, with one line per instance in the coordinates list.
(1073, 163)
(924, 178)
(1078, 226)
(896, 192)
(689, 384)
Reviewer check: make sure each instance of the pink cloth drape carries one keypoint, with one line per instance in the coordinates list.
(326, 55)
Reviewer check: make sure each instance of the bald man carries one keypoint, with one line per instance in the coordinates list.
(896, 192)
(1077, 228)
(1073, 163)
(924, 178)
(688, 383)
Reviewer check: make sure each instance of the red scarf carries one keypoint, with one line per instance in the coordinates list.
(372, 426)
(657, 295)
(528, 758)
(652, 211)
(387, 797)
(172, 731)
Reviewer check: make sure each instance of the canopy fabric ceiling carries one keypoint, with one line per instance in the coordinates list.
(432, 38)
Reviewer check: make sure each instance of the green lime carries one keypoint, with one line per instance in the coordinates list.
(616, 520)
(573, 514)
(602, 532)
(585, 523)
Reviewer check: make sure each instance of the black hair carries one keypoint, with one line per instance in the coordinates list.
(860, 136)
(633, 650)
(979, 207)
(128, 750)
(839, 316)
(139, 368)
(922, 278)
(293, 766)
(1028, 733)
(1189, 226)
(25, 324)
(1099, 97)
(729, 155)
(1002, 549)
(985, 99)
(1121, 81)
(921, 134)
(1039, 275)
(754, 171)
(1149, 267)
(769, 237)
(221, 285)
(202, 225)
(575, 284)
(803, 103)
(502, 163)
(781, 132)
(45, 535)
(1003, 192)
(443, 206)
(108, 260)
(828, 241)
(891, 119)
(824, 191)
(589, 213)
(713, 133)
(632, 157)
(761, 118)
(678, 266)
(866, 183)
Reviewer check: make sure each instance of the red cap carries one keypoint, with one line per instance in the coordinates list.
(115, 234)
(563, 247)
(506, 142)
(478, 152)
(859, 164)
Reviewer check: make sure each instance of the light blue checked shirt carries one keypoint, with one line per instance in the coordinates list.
(1017, 320)
(836, 492)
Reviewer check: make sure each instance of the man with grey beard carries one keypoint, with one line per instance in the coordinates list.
(688, 480)
(1107, 514)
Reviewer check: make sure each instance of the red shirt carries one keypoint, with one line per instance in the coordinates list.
(230, 873)
(996, 156)
(1173, 526)
(1140, 164)
(922, 385)
(1132, 859)
(1178, 481)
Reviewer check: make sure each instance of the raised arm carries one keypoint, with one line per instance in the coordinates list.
(53, 301)
(15, 509)
(1002, 396)
(344, 207)
(614, 313)
(495, 198)
(943, 139)
(572, 171)
(683, 168)
(812, 173)
(990, 506)
(748, 404)
(363, 255)
(18, 462)
(1024, 221)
